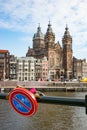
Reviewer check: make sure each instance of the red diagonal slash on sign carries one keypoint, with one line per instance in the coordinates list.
(22, 103)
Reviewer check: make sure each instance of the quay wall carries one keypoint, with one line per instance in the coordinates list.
(41, 83)
(53, 89)
(46, 86)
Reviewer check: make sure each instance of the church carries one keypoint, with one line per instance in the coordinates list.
(60, 58)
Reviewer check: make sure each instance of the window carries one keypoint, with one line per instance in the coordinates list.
(25, 78)
(2, 55)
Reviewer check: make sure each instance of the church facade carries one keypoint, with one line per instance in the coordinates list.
(60, 57)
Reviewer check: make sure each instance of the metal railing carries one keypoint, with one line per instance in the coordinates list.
(20, 95)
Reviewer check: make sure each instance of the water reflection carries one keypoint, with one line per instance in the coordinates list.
(48, 117)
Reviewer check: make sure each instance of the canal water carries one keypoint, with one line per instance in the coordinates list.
(48, 116)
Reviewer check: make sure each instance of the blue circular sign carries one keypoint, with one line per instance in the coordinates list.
(23, 102)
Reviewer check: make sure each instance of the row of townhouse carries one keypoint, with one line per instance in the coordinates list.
(22, 68)
(30, 68)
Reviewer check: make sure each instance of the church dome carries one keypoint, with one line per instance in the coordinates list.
(49, 29)
(39, 34)
(67, 33)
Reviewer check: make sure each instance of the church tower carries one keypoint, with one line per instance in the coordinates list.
(38, 39)
(67, 53)
(49, 37)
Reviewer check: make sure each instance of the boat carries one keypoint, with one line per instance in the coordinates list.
(84, 80)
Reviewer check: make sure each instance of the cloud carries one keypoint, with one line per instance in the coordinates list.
(20, 15)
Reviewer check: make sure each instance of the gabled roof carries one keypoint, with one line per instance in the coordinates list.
(4, 51)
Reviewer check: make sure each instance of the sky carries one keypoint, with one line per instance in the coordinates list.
(19, 20)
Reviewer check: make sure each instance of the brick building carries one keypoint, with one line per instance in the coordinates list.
(4, 64)
(79, 68)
